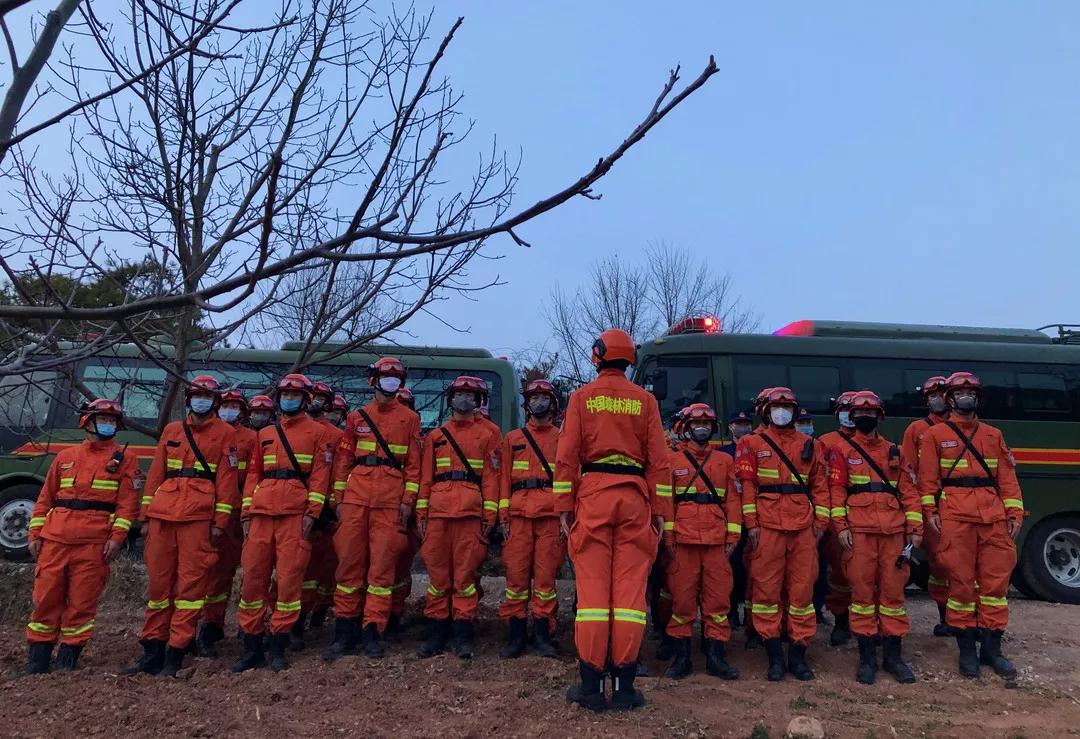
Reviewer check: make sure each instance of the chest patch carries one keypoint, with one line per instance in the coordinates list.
(67, 465)
(854, 461)
(952, 444)
(363, 429)
(764, 453)
(683, 472)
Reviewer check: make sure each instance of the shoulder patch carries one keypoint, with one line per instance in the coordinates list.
(950, 444)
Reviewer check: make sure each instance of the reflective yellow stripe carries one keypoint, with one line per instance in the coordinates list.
(630, 615)
(669, 525)
(346, 589)
(858, 479)
(476, 464)
(67, 482)
(937, 581)
(619, 459)
(679, 619)
(302, 458)
(734, 528)
(399, 585)
(104, 485)
(913, 516)
(801, 610)
(40, 627)
(593, 614)
(398, 449)
(434, 592)
(863, 609)
(37, 521)
(468, 591)
(768, 474)
(222, 508)
(522, 465)
(837, 512)
(249, 605)
(316, 497)
(78, 629)
(376, 590)
(340, 485)
(719, 618)
(1013, 503)
(955, 605)
(986, 600)
(309, 585)
(215, 599)
(504, 503)
(442, 461)
(764, 608)
(491, 505)
(516, 594)
(421, 503)
(365, 446)
(562, 488)
(692, 490)
(172, 463)
(147, 499)
(927, 500)
(412, 487)
(122, 523)
(545, 595)
(749, 508)
(288, 606)
(991, 462)
(822, 511)
(241, 465)
(663, 491)
(894, 612)
(269, 459)
(245, 502)
(947, 464)
(189, 605)
(158, 605)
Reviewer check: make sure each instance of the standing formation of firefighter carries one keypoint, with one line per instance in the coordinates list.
(323, 510)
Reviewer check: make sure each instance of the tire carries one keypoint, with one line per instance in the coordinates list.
(1020, 583)
(16, 507)
(1050, 560)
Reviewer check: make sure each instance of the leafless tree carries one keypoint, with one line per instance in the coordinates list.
(293, 169)
(643, 299)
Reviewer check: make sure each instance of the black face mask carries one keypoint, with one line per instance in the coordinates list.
(865, 424)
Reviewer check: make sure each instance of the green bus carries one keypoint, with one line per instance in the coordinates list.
(1032, 393)
(38, 413)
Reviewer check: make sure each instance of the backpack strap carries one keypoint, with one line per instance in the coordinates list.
(470, 473)
(390, 458)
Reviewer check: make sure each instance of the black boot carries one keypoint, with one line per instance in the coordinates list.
(174, 662)
(716, 661)
(153, 658)
(867, 672)
(318, 617)
(941, 628)
(683, 665)
(372, 644)
(296, 635)
(516, 639)
(344, 643)
(393, 629)
(841, 630)
(67, 657)
(253, 656)
(774, 648)
(894, 663)
(590, 693)
(666, 649)
(543, 644)
(278, 643)
(796, 662)
(625, 696)
(753, 639)
(209, 636)
(992, 657)
(463, 639)
(438, 635)
(969, 660)
(37, 661)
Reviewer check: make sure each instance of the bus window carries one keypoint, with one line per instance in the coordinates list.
(1043, 393)
(140, 388)
(25, 400)
(1001, 395)
(913, 382)
(815, 387)
(754, 375)
(887, 382)
(678, 381)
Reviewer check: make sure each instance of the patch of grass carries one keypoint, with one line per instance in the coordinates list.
(801, 703)
(760, 731)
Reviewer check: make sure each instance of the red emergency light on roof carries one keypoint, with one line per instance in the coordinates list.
(696, 325)
(796, 328)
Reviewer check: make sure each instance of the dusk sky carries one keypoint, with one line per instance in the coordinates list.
(911, 162)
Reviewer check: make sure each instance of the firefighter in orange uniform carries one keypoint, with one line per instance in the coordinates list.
(786, 510)
(753, 639)
(191, 493)
(80, 521)
(376, 476)
(337, 414)
(533, 548)
(933, 392)
(284, 494)
(456, 511)
(260, 413)
(970, 496)
(407, 553)
(613, 481)
(233, 411)
(876, 514)
(706, 528)
(838, 599)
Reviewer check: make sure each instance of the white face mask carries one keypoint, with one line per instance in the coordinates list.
(781, 416)
(844, 417)
(389, 385)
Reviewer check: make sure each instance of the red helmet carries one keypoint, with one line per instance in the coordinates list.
(865, 400)
(541, 387)
(961, 380)
(340, 404)
(321, 388)
(677, 421)
(935, 384)
(780, 395)
(102, 407)
(262, 403)
(386, 367)
(294, 381)
(234, 396)
(843, 402)
(406, 398)
(204, 384)
(759, 401)
(468, 383)
(614, 345)
(481, 384)
(700, 412)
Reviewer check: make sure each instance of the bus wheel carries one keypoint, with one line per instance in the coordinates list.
(1050, 560)
(16, 508)
(1020, 583)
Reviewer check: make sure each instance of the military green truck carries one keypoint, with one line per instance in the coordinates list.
(1032, 393)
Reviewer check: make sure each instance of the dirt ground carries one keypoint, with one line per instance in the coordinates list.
(401, 696)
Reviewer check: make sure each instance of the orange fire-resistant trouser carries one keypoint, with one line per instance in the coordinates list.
(452, 550)
(982, 553)
(938, 580)
(274, 545)
(367, 542)
(877, 585)
(700, 574)
(612, 546)
(838, 599)
(68, 582)
(403, 570)
(317, 588)
(785, 563)
(222, 573)
(178, 558)
(532, 556)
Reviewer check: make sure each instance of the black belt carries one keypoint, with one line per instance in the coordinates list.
(871, 487)
(284, 475)
(372, 460)
(455, 476)
(533, 483)
(968, 482)
(698, 498)
(84, 505)
(190, 472)
(613, 469)
(784, 489)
